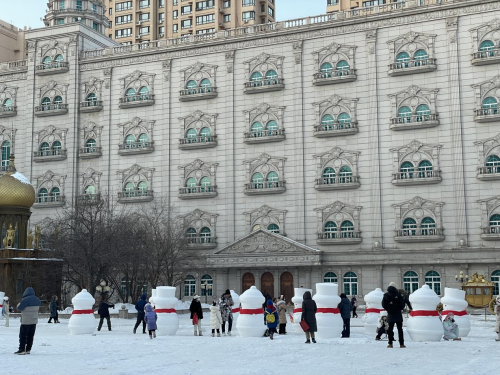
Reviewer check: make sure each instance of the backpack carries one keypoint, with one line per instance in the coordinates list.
(270, 318)
(395, 303)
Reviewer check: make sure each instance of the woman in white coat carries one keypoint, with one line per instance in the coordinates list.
(215, 319)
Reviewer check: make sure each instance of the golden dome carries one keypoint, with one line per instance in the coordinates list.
(15, 189)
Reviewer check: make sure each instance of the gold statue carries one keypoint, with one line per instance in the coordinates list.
(38, 236)
(29, 244)
(10, 237)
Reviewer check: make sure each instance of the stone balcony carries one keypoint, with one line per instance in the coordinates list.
(419, 235)
(336, 129)
(337, 183)
(134, 101)
(333, 77)
(486, 115)
(491, 233)
(51, 110)
(91, 106)
(416, 178)
(9, 111)
(264, 188)
(50, 201)
(198, 142)
(412, 67)
(264, 136)
(490, 173)
(90, 152)
(198, 192)
(265, 85)
(202, 243)
(135, 196)
(414, 122)
(136, 148)
(88, 199)
(49, 155)
(55, 67)
(200, 93)
(491, 56)
(339, 238)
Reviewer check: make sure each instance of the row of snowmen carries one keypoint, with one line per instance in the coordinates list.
(423, 325)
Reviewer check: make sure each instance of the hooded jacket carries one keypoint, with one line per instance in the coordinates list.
(141, 304)
(282, 311)
(196, 308)
(345, 308)
(150, 317)
(271, 310)
(53, 308)
(309, 309)
(393, 303)
(29, 307)
(215, 317)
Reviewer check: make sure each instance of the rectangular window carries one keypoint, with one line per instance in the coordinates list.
(79, 5)
(227, 18)
(247, 16)
(186, 24)
(262, 8)
(161, 17)
(208, 18)
(95, 26)
(333, 2)
(371, 3)
(110, 11)
(94, 8)
(207, 4)
(247, 3)
(62, 5)
(110, 24)
(175, 28)
(161, 4)
(123, 33)
(144, 17)
(175, 14)
(123, 19)
(144, 30)
(143, 4)
(126, 5)
(270, 11)
(262, 20)
(161, 31)
(205, 31)
(176, 2)
(186, 9)
(226, 4)
(60, 21)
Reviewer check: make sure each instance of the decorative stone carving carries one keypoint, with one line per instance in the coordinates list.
(422, 105)
(197, 236)
(199, 122)
(136, 128)
(266, 166)
(91, 178)
(51, 143)
(269, 69)
(140, 181)
(490, 213)
(297, 51)
(229, 56)
(53, 185)
(271, 120)
(107, 77)
(335, 108)
(136, 80)
(488, 152)
(487, 89)
(8, 100)
(411, 43)
(8, 135)
(342, 216)
(343, 170)
(264, 217)
(166, 69)
(204, 174)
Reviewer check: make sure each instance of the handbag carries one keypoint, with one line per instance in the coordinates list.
(304, 325)
(195, 319)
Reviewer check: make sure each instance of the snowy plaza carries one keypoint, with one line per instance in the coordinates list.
(56, 352)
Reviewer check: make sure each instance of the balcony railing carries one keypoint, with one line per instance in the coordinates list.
(49, 155)
(416, 177)
(8, 111)
(419, 235)
(198, 192)
(198, 93)
(198, 142)
(265, 85)
(87, 199)
(50, 201)
(54, 67)
(488, 173)
(412, 66)
(338, 237)
(91, 106)
(337, 183)
(202, 242)
(132, 101)
(491, 233)
(261, 188)
(335, 129)
(90, 152)
(264, 136)
(491, 56)
(135, 196)
(486, 115)
(415, 121)
(136, 148)
(51, 109)
(335, 76)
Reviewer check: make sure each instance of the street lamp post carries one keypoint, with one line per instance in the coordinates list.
(461, 277)
(103, 288)
(206, 287)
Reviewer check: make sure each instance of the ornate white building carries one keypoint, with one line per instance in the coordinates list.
(360, 147)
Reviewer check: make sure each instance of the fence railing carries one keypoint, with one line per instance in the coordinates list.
(338, 234)
(198, 139)
(412, 64)
(414, 118)
(419, 232)
(197, 190)
(265, 185)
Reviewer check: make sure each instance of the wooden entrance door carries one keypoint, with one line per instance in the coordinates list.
(267, 284)
(247, 281)
(287, 286)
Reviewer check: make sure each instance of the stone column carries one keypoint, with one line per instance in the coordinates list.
(257, 274)
(307, 272)
(231, 148)
(276, 274)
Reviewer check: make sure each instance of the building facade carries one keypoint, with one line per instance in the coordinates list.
(147, 20)
(12, 44)
(375, 6)
(339, 148)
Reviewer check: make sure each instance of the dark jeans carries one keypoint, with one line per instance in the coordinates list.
(380, 332)
(218, 330)
(102, 321)
(282, 328)
(140, 318)
(400, 332)
(230, 321)
(26, 335)
(354, 315)
(56, 319)
(346, 332)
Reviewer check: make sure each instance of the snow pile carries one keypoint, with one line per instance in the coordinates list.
(21, 178)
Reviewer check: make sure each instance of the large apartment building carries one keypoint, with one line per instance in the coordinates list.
(333, 6)
(12, 46)
(135, 21)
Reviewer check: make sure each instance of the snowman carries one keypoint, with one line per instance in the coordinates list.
(297, 300)
(152, 298)
(373, 308)
(251, 320)
(236, 305)
(165, 301)
(2, 294)
(424, 323)
(328, 317)
(454, 302)
(82, 321)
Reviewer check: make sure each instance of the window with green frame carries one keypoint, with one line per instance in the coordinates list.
(403, 59)
(271, 77)
(272, 179)
(205, 183)
(495, 278)
(345, 175)
(256, 79)
(56, 148)
(54, 193)
(273, 228)
(495, 223)
(46, 104)
(143, 93)
(192, 87)
(142, 189)
(425, 169)
(91, 145)
(58, 59)
(130, 141)
(410, 281)
(488, 47)
(491, 105)
(347, 229)
(493, 164)
(205, 133)
(130, 95)
(91, 98)
(326, 70)
(404, 114)
(192, 136)
(406, 170)
(433, 280)
(191, 184)
(129, 189)
(330, 229)
(90, 190)
(423, 111)
(143, 140)
(257, 129)
(258, 181)
(330, 277)
(344, 120)
(43, 195)
(327, 122)
(409, 227)
(5, 156)
(7, 103)
(328, 175)
(205, 85)
(47, 60)
(421, 57)
(205, 235)
(271, 128)
(350, 284)
(44, 149)
(428, 226)
(189, 286)
(58, 100)
(342, 68)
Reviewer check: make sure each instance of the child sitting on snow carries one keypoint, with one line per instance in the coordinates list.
(382, 326)
(150, 317)
(451, 331)
(215, 319)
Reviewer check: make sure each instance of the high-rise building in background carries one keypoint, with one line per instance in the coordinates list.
(339, 5)
(12, 45)
(135, 21)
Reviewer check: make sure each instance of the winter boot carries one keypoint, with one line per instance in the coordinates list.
(218, 335)
(200, 334)
(213, 334)
(229, 333)
(135, 330)
(308, 341)
(402, 346)
(271, 336)
(196, 333)
(154, 334)
(498, 338)
(28, 351)
(223, 333)
(151, 337)
(20, 352)
(390, 346)
(314, 341)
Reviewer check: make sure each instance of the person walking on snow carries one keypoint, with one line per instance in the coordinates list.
(309, 309)
(196, 315)
(215, 319)
(282, 314)
(382, 326)
(140, 306)
(451, 331)
(354, 304)
(271, 318)
(103, 312)
(29, 307)
(497, 311)
(394, 303)
(5, 310)
(150, 318)
(53, 310)
(345, 308)
(226, 310)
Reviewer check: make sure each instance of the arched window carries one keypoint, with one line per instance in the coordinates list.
(402, 58)
(423, 113)
(345, 175)
(7, 103)
(46, 104)
(58, 59)
(271, 128)
(326, 70)
(144, 93)
(433, 279)
(487, 45)
(406, 170)
(257, 181)
(205, 235)
(347, 229)
(44, 149)
(205, 133)
(91, 99)
(328, 175)
(257, 129)
(256, 78)
(205, 184)
(191, 233)
(493, 164)
(421, 57)
(271, 77)
(495, 278)
(43, 195)
(191, 185)
(343, 67)
(428, 226)
(58, 100)
(129, 141)
(90, 190)
(330, 277)
(142, 189)
(5, 157)
(351, 284)
(272, 179)
(192, 87)
(206, 85)
(327, 122)
(130, 95)
(47, 60)
(425, 169)
(344, 121)
(91, 145)
(404, 114)
(143, 140)
(491, 105)
(129, 189)
(207, 283)
(56, 148)
(256, 227)
(409, 227)
(54, 193)
(410, 281)
(273, 228)
(495, 224)
(191, 136)
(189, 286)
(330, 229)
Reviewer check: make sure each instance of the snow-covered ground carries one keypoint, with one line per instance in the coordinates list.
(55, 352)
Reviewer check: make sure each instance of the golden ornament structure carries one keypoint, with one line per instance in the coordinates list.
(478, 291)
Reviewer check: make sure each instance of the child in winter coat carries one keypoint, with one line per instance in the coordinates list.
(497, 327)
(215, 319)
(150, 317)
(271, 318)
(382, 326)
(451, 331)
(6, 311)
(281, 307)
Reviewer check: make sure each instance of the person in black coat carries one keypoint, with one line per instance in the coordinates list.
(53, 310)
(345, 308)
(197, 310)
(309, 309)
(103, 312)
(139, 306)
(354, 304)
(393, 302)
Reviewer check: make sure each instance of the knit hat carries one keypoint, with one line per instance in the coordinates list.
(227, 292)
(269, 303)
(392, 284)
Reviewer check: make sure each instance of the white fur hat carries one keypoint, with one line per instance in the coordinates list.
(392, 284)
(5, 298)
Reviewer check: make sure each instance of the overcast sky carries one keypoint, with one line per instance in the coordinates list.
(28, 12)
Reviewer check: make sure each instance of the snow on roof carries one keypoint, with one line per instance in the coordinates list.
(22, 178)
